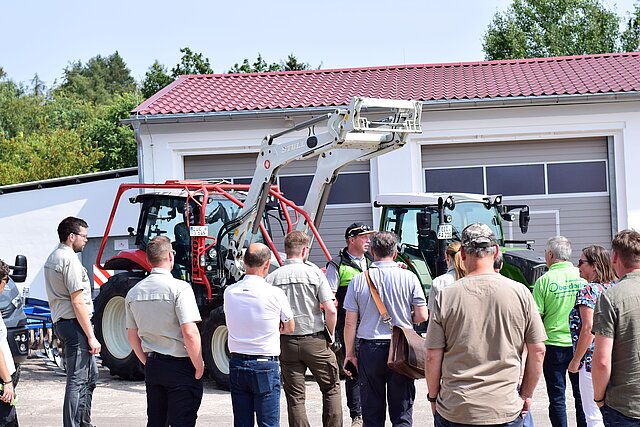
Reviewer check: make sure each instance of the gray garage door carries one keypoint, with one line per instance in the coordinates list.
(565, 183)
(349, 200)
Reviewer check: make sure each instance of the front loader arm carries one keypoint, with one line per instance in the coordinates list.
(349, 134)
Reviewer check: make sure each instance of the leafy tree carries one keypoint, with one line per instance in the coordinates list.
(116, 141)
(259, 66)
(155, 79)
(540, 28)
(191, 63)
(98, 79)
(630, 38)
(293, 64)
(46, 155)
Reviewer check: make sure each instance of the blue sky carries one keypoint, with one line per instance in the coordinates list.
(44, 36)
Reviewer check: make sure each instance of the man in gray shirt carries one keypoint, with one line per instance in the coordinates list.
(69, 294)
(161, 314)
(402, 296)
(306, 288)
(616, 321)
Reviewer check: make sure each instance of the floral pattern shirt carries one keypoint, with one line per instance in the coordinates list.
(586, 296)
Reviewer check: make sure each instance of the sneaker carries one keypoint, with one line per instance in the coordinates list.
(357, 421)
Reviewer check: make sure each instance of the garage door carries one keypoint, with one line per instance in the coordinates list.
(564, 182)
(349, 200)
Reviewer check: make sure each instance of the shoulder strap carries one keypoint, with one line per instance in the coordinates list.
(376, 298)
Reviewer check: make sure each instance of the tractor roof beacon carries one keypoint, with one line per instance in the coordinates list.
(210, 223)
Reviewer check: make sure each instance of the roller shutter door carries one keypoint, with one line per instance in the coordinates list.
(565, 182)
(349, 200)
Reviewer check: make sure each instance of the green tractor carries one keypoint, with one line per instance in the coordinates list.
(426, 223)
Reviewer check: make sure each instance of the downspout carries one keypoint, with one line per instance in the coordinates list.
(136, 135)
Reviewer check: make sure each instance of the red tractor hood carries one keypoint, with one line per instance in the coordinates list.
(132, 259)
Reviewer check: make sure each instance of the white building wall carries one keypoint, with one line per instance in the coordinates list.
(401, 171)
(29, 219)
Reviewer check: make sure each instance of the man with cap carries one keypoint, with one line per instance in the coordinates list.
(351, 260)
(475, 338)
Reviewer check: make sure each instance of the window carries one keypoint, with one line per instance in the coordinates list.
(515, 180)
(455, 180)
(582, 177)
(348, 188)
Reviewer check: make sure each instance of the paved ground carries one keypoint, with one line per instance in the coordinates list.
(122, 403)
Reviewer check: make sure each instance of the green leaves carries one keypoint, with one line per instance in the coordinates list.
(541, 28)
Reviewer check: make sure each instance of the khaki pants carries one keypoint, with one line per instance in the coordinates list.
(297, 354)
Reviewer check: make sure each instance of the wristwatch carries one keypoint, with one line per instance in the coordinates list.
(432, 399)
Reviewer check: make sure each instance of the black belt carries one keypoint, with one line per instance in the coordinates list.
(154, 355)
(252, 357)
(66, 320)
(315, 334)
(380, 341)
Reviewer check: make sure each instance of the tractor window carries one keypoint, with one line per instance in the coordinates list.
(465, 214)
(220, 211)
(165, 217)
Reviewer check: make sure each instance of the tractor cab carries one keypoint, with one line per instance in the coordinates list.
(426, 223)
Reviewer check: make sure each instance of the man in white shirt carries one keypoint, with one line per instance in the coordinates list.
(256, 314)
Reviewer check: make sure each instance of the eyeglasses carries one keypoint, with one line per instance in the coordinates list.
(84, 236)
(582, 261)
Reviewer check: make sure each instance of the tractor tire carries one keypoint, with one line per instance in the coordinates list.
(215, 349)
(110, 327)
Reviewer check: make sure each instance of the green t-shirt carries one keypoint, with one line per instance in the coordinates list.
(555, 296)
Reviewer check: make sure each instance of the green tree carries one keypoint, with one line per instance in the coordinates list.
(258, 66)
(97, 80)
(292, 64)
(540, 28)
(116, 141)
(191, 63)
(155, 79)
(46, 155)
(630, 38)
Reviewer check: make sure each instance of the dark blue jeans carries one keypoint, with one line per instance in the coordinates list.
(441, 422)
(255, 388)
(82, 374)
(613, 418)
(351, 386)
(556, 363)
(380, 386)
(173, 393)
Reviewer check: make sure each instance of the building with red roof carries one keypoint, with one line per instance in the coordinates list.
(559, 134)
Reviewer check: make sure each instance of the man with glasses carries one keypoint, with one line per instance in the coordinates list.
(69, 294)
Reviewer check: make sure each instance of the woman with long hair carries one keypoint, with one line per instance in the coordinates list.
(8, 416)
(455, 271)
(596, 268)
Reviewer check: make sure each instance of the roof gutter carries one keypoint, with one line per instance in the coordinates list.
(433, 105)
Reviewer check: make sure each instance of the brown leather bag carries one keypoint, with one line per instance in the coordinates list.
(407, 351)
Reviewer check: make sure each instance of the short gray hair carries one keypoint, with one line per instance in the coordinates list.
(479, 252)
(383, 244)
(559, 247)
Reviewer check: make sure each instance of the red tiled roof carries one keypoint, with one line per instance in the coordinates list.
(570, 75)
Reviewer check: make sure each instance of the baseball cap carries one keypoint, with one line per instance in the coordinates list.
(356, 229)
(478, 236)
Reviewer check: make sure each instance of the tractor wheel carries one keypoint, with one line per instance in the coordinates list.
(110, 327)
(215, 349)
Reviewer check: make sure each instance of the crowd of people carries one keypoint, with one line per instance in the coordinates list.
(488, 341)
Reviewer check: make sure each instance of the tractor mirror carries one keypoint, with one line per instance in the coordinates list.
(20, 269)
(523, 219)
(423, 220)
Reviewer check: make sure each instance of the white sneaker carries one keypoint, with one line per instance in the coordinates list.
(357, 422)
